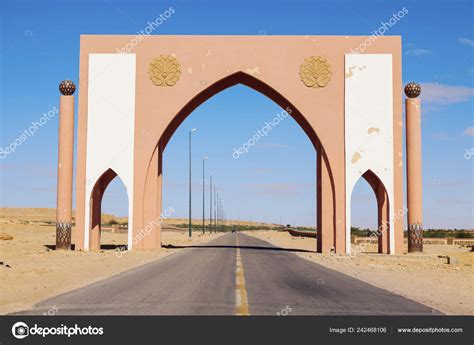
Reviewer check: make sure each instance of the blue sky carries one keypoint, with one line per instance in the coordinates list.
(275, 181)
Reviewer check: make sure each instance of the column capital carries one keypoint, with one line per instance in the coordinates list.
(67, 87)
(412, 90)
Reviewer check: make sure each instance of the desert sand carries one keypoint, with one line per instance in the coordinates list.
(31, 271)
(46, 216)
(425, 278)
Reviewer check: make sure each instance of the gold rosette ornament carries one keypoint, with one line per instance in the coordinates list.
(315, 71)
(164, 70)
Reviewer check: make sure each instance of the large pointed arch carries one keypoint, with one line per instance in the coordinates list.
(227, 82)
(325, 185)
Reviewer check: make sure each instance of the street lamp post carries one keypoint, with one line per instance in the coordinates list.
(203, 196)
(190, 227)
(210, 204)
(215, 208)
(217, 211)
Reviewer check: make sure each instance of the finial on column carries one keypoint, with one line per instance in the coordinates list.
(67, 87)
(412, 90)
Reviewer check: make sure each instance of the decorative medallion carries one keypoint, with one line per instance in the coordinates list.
(164, 70)
(315, 71)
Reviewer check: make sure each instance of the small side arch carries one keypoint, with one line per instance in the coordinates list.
(383, 210)
(96, 207)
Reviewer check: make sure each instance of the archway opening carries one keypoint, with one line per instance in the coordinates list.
(370, 215)
(263, 166)
(109, 213)
(324, 216)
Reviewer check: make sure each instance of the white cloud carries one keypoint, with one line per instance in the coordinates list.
(466, 41)
(469, 131)
(436, 93)
(417, 51)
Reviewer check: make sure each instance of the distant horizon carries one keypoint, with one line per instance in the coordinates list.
(235, 220)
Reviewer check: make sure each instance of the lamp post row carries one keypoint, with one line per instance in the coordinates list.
(213, 195)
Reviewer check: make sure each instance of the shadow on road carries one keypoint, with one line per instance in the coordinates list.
(170, 246)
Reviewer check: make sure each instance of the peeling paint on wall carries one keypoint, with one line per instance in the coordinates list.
(369, 125)
(373, 130)
(355, 157)
(253, 71)
(350, 73)
(112, 149)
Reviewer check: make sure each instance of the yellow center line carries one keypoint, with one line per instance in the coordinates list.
(241, 301)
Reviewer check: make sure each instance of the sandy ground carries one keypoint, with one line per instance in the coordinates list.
(425, 278)
(31, 272)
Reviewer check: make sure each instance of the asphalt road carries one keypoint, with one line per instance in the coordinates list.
(203, 280)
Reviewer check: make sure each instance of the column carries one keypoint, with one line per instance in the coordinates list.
(414, 179)
(65, 165)
(326, 238)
